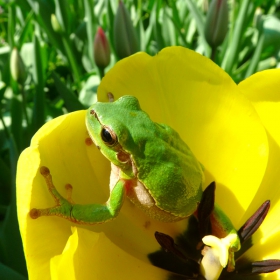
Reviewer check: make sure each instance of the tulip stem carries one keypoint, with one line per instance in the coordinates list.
(101, 72)
(213, 53)
(71, 59)
(21, 86)
(6, 131)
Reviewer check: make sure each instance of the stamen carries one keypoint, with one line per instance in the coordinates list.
(167, 243)
(210, 266)
(254, 222)
(218, 252)
(258, 267)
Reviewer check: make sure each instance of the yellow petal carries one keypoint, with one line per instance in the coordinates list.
(197, 98)
(89, 254)
(263, 91)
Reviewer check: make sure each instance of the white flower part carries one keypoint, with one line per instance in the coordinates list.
(218, 245)
(210, 266)
(215, 258)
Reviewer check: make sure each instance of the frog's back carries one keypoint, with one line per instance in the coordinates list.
(177, 188)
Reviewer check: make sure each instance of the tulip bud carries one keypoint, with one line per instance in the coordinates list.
(216, 25)
(17, 67)
(101, 49)
(258, 18)
(55, 24)
(124, 33)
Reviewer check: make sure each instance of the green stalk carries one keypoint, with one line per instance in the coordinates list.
(6, 131)
(256, 57)
(24, 105)
(101, 72)
(71, 59)
(213, 53)
(236, 38)
(11, 25)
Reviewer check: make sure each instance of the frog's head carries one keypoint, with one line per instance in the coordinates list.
(115, 128)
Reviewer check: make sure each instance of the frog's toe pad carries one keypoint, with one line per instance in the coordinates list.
(35, 213)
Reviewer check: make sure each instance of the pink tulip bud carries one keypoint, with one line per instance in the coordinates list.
(101, 49)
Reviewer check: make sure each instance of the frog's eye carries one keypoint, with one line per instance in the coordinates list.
(108, 136)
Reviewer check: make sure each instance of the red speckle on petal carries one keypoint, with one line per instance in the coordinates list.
(88, 141)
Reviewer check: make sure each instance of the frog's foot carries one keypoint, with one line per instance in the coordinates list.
(63, 207)
(217, 254)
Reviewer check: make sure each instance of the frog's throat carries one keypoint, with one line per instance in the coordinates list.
(140, 196)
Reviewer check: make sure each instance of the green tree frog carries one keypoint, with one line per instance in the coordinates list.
(150, 164)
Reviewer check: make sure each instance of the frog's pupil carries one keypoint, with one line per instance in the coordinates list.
(107, 137)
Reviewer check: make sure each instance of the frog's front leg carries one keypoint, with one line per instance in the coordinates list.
(77, 213)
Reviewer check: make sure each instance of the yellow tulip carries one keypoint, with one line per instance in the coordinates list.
(232, 129)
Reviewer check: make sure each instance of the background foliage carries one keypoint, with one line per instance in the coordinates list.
(52, 70)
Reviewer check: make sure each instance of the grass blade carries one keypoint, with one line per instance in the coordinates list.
(38, 117)
(71, 101)
(198, 17)
(234, 44)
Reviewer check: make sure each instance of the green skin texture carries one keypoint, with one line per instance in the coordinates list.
(148, 153)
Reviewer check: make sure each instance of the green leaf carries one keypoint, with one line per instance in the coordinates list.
(175, 18)
(17, 117)
(38, 117)
(90, 27)
(7, 273)
(110, 18)
(234, 44)
(200, 21)
(5, 75)
(5, 182)
(88, 94)
(63, 15)
(11, 249)
(71, 101)
(158, 36)
(43, 10)
(11, 24)
(256, 57)
(26, 29)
